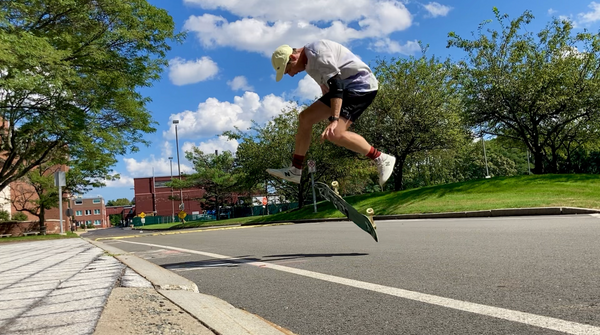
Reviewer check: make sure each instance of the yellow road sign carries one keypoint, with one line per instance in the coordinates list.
(182, 215)
(142, 215)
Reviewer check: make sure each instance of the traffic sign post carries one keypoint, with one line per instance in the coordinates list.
(312, 168)
(60, 181)
(182, 215)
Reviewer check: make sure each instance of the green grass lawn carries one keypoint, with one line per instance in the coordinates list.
(37, 237)
(197, 224)
(502, 192)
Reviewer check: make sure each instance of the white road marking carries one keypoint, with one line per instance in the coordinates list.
(568, 327)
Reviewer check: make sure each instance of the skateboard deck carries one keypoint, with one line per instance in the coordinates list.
(361, 220)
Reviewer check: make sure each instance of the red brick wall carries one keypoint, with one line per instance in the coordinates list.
(18, 228)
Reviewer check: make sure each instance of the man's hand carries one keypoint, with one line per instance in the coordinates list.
(329, 131)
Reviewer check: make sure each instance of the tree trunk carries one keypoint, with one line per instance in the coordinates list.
(42, 218)
(397, 174)
(538, 159)
(300, 195)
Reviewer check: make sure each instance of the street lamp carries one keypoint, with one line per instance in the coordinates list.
(172, 202)
(181, 206)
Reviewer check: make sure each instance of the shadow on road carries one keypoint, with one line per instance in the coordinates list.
(237, 261)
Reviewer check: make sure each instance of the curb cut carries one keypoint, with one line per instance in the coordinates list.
(216, 314)
(455, 215)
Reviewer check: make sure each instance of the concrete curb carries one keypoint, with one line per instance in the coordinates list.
(160, 277)
(218, 315)
(456, 215)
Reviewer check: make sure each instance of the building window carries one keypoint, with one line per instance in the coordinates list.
(97, 222)
(96, 212)
(161, 183)
(96, 201)
(78, 213)
(88, 212)
(88, 222)
(78, 202)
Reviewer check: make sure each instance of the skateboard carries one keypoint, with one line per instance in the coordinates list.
(362, 221)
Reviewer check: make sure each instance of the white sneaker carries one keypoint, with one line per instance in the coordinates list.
(385, 166)
(291, 173)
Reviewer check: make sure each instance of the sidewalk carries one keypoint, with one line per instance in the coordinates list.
(71, 286)
(63, 286)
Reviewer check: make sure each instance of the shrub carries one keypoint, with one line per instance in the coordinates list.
(20, 217)
(4, 215)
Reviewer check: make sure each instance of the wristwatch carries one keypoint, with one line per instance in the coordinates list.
(333, 118)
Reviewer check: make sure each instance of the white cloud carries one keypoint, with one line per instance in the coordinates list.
(167, 149)
(552, 11)
(182, 72)
(240, 83)
(213, 117)
(308, 89)
(162, 166)
(220, 143)
(266, 24)
(590, 17)
(435, 9)
(123, 181)
(390, 46)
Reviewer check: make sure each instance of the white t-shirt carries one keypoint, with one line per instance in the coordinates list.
(327, 58)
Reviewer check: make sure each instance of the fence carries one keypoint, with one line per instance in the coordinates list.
(229, 213)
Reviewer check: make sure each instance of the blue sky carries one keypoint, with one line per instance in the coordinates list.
(221, 75)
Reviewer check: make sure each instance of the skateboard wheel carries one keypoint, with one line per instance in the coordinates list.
(370, 213)
(335, 185)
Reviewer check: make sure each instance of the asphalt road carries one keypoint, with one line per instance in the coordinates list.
(518, 275)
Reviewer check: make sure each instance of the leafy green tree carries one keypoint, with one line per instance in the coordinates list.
(539, 89)
(119, 202)
(216, 174)
(416, 110)
(70, 76)
(36, 193)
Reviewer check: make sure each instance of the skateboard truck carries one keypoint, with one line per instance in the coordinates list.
(335, 186)
(370, 213)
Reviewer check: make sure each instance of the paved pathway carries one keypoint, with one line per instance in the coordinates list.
(54, 287)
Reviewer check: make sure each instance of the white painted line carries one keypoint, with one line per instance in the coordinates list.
(568, 327)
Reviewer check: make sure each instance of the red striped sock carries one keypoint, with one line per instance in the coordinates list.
(373, 153)
(297, 161)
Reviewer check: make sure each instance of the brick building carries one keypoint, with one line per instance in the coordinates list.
(152, 197)
(90, 211)
(126, 213)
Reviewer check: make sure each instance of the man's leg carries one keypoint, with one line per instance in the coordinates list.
(315, 113)
(349, 140)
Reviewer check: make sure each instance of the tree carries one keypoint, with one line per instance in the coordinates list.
(416, 110)
(539, 90)
(36, 193)
(119, 202)
(215, 173)
(70, 71)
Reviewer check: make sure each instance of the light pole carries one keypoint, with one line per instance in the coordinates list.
(172, 200)
(181, 206)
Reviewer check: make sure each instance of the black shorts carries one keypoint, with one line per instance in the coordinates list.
(353, 103)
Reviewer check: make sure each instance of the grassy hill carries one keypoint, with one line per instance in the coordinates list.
(568, 190)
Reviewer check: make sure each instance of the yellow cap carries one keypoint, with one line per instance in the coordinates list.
(280, 58)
